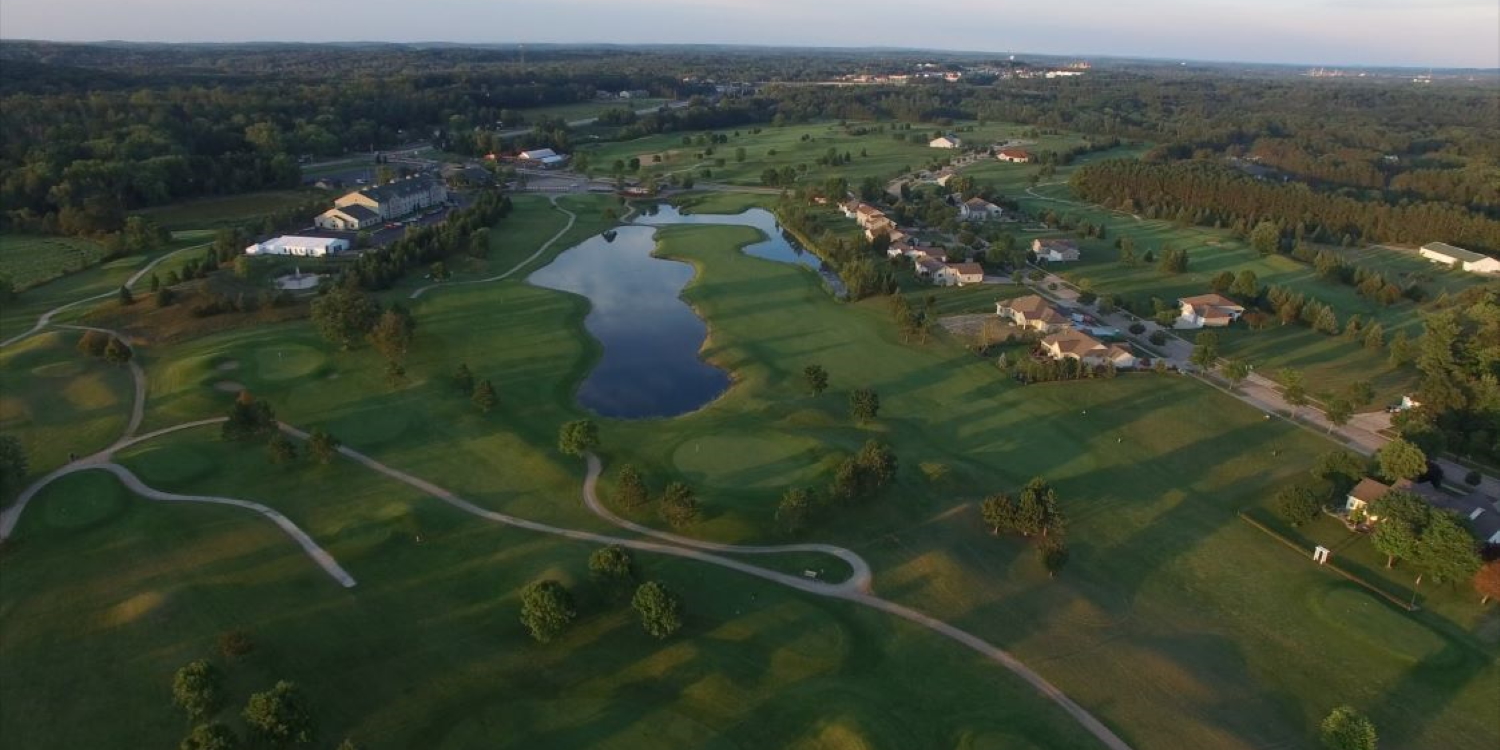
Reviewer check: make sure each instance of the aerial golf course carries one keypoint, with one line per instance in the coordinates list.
(1175, 624)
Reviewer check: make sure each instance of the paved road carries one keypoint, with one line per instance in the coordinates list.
(571, 218)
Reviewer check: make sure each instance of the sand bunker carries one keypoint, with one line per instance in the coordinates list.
(230, 364)
(229, 386)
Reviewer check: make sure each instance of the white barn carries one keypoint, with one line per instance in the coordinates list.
(1457, 257)
(311, 247)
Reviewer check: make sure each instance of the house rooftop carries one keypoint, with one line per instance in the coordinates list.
(1058, 243)
(399, 188)
(1368, 490)
(967, 268)
(1073, 342)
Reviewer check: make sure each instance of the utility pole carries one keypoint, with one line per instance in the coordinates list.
(1415, 586)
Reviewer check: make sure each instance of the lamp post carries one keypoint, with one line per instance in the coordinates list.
(1414, 588)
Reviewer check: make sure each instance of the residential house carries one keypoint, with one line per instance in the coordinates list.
(1208, 311)
(1457, 257)
(351, 218)
(866, 214)
(1033, 312)
(979, 209)
(1013, 155)
(399, 198)
(1362, 497)
(944, 175)
(1055, 251)
(311, 247)
(850, 208)
(878, 226)
(1087, 350)
(959, 274)
(927, 267)
(946, 141)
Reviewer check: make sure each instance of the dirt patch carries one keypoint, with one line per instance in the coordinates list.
(229, 386)
(227, 365)
(969, 328)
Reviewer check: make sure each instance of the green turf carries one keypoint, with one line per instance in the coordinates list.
(885, 158)
(59, 401)
(1178, 624)
(30, 260)
(585, 110)
(229, 210)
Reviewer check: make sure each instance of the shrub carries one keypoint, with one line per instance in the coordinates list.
(1137, 328)
(1472, 478)
(1157, 337)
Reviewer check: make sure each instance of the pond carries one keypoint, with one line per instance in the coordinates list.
(651, 366)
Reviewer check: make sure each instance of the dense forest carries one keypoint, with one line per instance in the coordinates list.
(1211, 194)
(96, 131)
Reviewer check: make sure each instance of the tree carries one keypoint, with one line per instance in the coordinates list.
(116, 352)
(1360, 393)
(612, 568)
(578, 437)
(546, 609)
(280, 716)
(678, 505)
(817, 378)
(1341, 469)
(126, 298)
(1246, 286)
(630, 488)
(93, 343)
(321, 445)
(1400, 459)
(1446, 549)
(878, 463)
(1403, 516)
(1487, 581)
(1298, 504)
(464, 379)
(1338, 411)
(795, 510)
(165, 297)
(282, 449)
(214, 736)
(248, 418)
(1347, 729)
(1037, 512)
(484, 397)
(847, 481)
(1235, 371)
(13, 464)
(1000, 513)
(1054, 554)
(864, 404)
(343, 315)
(1293, 391)
(198, 688)
(659, 608)
(392, 333)
(1205, 350)
(1265, 238)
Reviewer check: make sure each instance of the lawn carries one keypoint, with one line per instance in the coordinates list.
(1177, 624)
(586, 110)
(229, 210)
(873, 154)
(31, 260)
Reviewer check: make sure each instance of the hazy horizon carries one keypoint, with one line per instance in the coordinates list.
(1436, 33)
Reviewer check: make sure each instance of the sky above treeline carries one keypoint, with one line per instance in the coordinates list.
(1418, 33)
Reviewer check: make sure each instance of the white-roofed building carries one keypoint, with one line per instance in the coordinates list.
(545, 157)
(311, 247)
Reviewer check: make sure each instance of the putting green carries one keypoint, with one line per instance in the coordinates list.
(769, 460)
(288, 361)
(82, 500)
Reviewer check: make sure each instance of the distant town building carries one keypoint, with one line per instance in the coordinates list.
(979, 209)
(399, 198)
(947, 141)
(1457, 257)
(1014, 155)
(545, 158)
(311, 247)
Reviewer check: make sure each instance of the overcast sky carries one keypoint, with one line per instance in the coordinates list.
(1442, 33)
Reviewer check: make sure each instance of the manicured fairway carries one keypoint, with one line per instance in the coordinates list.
(1175, 623)
(58, 401)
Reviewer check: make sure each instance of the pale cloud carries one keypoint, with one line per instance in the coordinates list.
(1420, 33)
